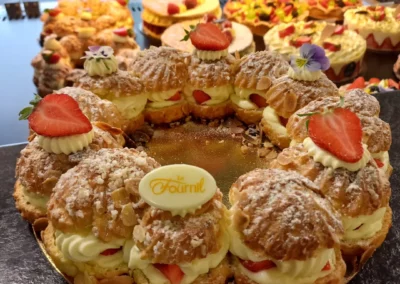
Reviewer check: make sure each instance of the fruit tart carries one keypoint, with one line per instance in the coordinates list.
(372, 86)
(283, 231)
(330, 9)
(182, 236)
(163, 72)
(254, 77)
(303, 84)
(378, 25)
(91, 214)
(62, 135)
(336, 159)
(105, 80)
(211, 73)
(376, 133)
(344, 48)
(260, 15)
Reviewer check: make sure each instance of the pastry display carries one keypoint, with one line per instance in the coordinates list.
(105, 80)
(303, 84)
(344, 48)
(158, 15)
(254, 77)
(378, 25)
(62, 135)
(240, 37)
(163, 72)
(283, 231)
(260, 15)
(330, 9)
(211, 72)
(336, 159)
(373, 85)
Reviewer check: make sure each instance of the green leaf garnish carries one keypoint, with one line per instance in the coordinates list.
(307, 114)
(187, 32)
(341, 103)
(307, 124)
(26, 112)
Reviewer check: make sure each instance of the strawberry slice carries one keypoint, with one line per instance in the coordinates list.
(288, 9)
(298, 42)
(175, 97)
(200, 96)
(208, 18)
(207, 36)
(257, 266)
(258, 100)
(310, 24)
(123, 32)
(327, 267)
(358, 83)
(58, 115)
(226, 24)
(339, 132)
(190, 4)
(51, 57)
(324, 3)
(122, 2)
(172, 9)
(283, 120)
(379, 163)
(171, 271)
(53, 12)
(108, 252)
(286, 31)
(331, 46)
(374, 81)
(339, 30)
(392, 83)
(378, 16)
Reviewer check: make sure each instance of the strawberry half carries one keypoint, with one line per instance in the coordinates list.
(374, 81)
(298, 42)
(122, 2)
(379, 163)
(286, 31)
(207, 36)
(394, 84)
(283, 120)
(358, 83)
(175, 97)
(208, 18)
(108, 252)
(51, 57)
(53, 12)
(190, 4)
(339, 30)
(331, 46)
(257, 266)
(339, 132)
(172, 9)
(123, 32)
(310, 24)
(173, 272)
(200, 96)
(258, 100)
(327, 267)
(58, 115)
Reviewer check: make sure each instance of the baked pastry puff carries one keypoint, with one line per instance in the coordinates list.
(377, 134)
(120, 87)
(37, 64)
(91, 214)
(254, 77)
(163, 72)
(283, 231)
(303, 83)
(74, 48)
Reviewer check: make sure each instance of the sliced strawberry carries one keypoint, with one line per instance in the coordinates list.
(208, 18)
(173, 272)
(392, 83)
(200, 96)
(358, 83)
(175, 97)
(324, 3)
(379, 163)
(53, 12)
(339, 132)
(122, 2)
(286, 31)
(226, 24)
(339, 30)
(376, 8)
(208, 36)
(228, 34)
(257, 266)
(310, 24)
(172, 9)
(258, 100)
(288, 9)
(108, 252)
(121, 32)
(58, 115)
(331, 46)
(275, 19)
(378, 16)
(298, 42)
(283, 120)
(327, 267)
(374, 81)
(51, 57)
(190, 4)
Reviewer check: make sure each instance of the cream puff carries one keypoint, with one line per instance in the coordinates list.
(283, 231)
(73, 45)
(87, 37)
(376, 133)
(91, 214)
(254, 77)
(120, 87)
(336, 159)
(163, 71)
(303, 83)
(37, 64)
(66, 25)
(104, 22)
(51, 153)
(123, 39)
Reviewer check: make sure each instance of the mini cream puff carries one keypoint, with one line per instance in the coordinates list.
(105, 80)
(303, 84)
(377, 134)
(254, 78)
(123, 39)
(87, 37)
(37, 64)
(283, 231)
(73, 45)
(104, 22)
(91, 214)
(163, 71)
(66, 25)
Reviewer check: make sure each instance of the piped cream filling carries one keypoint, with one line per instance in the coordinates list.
(191, 270)
(384, 158)
(270, 115)
(210, 55)
(85, 33)
(101, 66)
(130, 107)
(67, 144)
(119, 39)
(243, 103)
(88, 248)
(328, 160)
(159, 100)
(217, 94)
(35, 199)
(370, 225)
(304, 75)
(52, 44)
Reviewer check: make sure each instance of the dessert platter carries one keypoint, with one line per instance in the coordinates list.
(199, 166)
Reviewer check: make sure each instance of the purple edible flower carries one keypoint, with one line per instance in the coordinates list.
(312, 57)
(99, 52)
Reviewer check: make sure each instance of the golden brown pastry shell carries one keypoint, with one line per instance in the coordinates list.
(211, 112)
(29, 212)
(167, 114)
(282, 141)
(248, 116)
